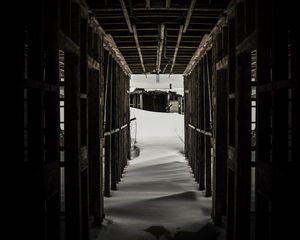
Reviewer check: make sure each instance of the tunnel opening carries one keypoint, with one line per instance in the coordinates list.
(70, 124)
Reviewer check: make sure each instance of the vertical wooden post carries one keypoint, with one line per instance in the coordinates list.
(206, 128)
(35, 124)
(51, 169)
(263, 123)
(243, 147)
(108, 97)
(94, 145)
(186, 116)
(220, 160)
(114, 117)
(200, 126)
(72, 147)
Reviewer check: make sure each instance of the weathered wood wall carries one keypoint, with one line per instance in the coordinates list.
(64, 73)
(253, 88)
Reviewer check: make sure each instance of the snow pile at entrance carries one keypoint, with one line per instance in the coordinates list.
(158, 197)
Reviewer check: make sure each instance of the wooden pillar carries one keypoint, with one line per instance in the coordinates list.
(243, 147)
(84, 171)
(263, 124)
(108, 98)
(34, 185)
(51, 169)
(219, 104)
(220, 160)
(206, 128)
(94, 145)
(114, 117)
(186, 119)
(72, 147)
(200, 126)
(101, 123)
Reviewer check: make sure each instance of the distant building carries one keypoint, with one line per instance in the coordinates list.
(156, 100)
(175, 102)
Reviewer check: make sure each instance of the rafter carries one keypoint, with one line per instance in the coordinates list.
(126, 15)
(160, 47)
(189, 15)
(138, 47)
(177, 47)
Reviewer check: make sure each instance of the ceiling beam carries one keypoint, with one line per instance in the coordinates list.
(168, 3)
(214, 10)
(177, 47)
(126, 15)
(160, 47)
(147, 4)
(189, 15)
(138, 47)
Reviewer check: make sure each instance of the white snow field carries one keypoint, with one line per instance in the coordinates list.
(158, 197)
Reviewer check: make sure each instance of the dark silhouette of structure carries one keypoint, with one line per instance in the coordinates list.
(72, 62)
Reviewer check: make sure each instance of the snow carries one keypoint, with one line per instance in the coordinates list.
(158, 197)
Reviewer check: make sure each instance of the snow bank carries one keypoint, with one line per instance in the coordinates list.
(158, 197)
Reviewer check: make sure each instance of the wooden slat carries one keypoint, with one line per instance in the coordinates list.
(243, 147)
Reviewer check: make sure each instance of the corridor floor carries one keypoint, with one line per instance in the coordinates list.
(158, 197)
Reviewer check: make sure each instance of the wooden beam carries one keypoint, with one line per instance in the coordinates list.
(107, 124)
(177, 47)
(168, 3)
(72, 147)
(203, 46)
(138, 47)
(213, 10)
(147, 4)
(243, 147)
(126, 15)
(160, 48)
(94, 159)
(189, 15)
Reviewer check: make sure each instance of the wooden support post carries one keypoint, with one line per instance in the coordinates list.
(263, 123)
(108, 97)
(51, 169)
(201, 126)
(186, 122)
(220, 160)
(101, 123)
(72, 147)
(94, 146)
(84, 127)
(206, 128)
(114, 117)
(243, 147)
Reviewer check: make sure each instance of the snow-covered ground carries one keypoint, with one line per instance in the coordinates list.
(158, 197)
